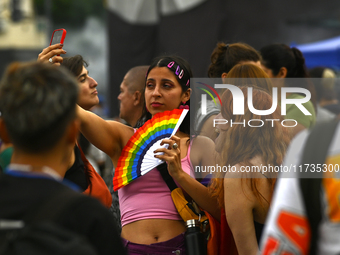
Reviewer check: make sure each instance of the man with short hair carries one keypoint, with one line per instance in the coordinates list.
(38, 115)
(131, 95)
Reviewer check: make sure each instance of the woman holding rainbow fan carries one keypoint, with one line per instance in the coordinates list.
(150, 221)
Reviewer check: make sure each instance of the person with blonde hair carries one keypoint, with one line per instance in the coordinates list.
(242, 74)
(223, 58)
(245, 195)
(248, 74)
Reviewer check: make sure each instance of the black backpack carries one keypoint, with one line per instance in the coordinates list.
(42, 236)
(315, 152)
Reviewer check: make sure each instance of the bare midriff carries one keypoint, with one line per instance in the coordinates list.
(152, 230)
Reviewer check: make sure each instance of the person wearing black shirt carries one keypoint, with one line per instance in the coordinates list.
(38, 115)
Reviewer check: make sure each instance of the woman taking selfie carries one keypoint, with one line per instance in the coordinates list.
(150, 221)
(80, 171)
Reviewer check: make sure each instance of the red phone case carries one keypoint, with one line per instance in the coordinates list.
(63, 35)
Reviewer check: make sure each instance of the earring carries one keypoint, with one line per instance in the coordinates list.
(184, 106)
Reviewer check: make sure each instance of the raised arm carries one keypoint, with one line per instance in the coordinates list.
(108, 136)
(53, 52)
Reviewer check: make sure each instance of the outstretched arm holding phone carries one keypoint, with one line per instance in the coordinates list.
(53, 52)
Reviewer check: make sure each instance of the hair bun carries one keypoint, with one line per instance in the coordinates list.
(300, 63)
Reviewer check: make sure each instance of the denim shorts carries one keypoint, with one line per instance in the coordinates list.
(174, 246)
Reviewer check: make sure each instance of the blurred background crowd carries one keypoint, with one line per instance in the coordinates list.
(116, 35)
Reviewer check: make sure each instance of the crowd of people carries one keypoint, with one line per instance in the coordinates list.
(45, 104)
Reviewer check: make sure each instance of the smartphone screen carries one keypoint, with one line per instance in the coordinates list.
(58, 36)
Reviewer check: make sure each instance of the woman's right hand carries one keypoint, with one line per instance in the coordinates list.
(52, 52)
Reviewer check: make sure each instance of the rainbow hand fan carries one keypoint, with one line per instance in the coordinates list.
(137, 157)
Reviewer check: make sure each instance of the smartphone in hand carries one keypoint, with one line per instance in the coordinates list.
(58, 36)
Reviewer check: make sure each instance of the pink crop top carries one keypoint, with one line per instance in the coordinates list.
(148, 197)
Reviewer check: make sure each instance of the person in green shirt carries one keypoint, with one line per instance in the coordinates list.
(280, 61)
(295, 113)
(6, 151)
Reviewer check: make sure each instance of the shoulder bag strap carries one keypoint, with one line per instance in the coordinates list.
(315, 152)
(163, 169)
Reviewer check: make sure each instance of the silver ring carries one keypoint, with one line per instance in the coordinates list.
(50, 60)
(175, 146)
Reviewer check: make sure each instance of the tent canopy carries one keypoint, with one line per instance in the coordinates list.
(323, 53)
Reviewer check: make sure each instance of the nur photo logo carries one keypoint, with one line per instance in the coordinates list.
(204, 96)
(242, 98)
(238, 99)
(239, 103)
